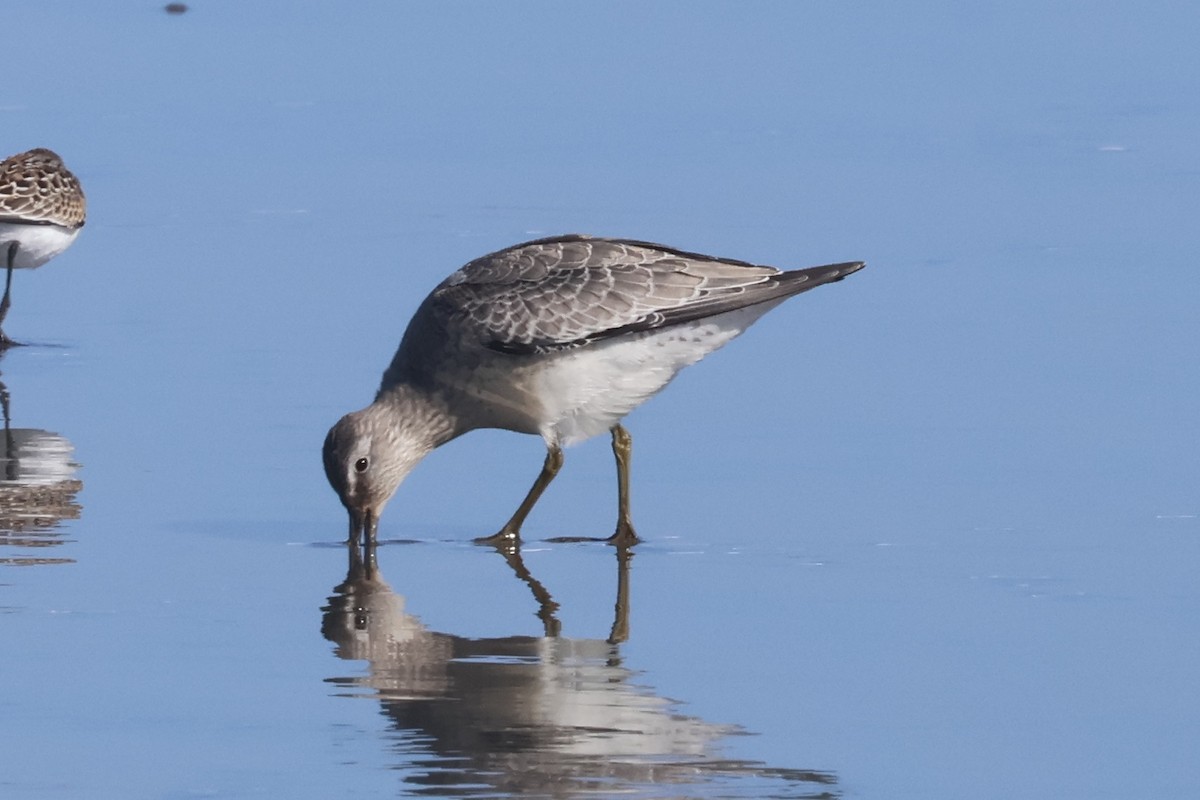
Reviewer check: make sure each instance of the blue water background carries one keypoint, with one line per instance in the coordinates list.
(932, 532)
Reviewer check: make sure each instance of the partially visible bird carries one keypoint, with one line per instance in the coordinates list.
(42, 209)
(558, 337)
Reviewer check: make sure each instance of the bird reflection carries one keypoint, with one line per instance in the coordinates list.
(37, 490)
(526, 716)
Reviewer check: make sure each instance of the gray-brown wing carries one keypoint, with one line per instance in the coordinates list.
(558, 293)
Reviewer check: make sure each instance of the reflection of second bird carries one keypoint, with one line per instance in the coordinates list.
(42, 209)
(559, 338)
(38, 488)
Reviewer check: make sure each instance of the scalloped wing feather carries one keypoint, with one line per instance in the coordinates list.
(554, 294)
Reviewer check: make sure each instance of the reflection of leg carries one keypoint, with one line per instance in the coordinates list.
(547, 606)
(10, 444)
(7, 301)
(622, 445)
(620, 627)
(511, 531)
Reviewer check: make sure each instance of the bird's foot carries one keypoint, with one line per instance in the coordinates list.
(507, 536)
(625, 535)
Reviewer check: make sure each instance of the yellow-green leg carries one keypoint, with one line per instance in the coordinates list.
(511, 532)
(622, 445)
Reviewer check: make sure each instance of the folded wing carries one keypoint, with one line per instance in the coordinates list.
(559, 293)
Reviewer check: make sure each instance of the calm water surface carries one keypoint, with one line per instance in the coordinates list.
(932, 532)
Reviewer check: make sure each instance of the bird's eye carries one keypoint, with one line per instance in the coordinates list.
(361, 465)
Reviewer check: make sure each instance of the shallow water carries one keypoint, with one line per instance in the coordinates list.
(929, 532)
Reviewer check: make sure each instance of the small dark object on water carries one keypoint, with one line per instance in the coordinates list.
(175, 8)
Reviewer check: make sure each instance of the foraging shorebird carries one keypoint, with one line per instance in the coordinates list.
(42, 209)
(558, 337)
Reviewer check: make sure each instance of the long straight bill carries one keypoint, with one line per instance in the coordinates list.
(363, 527)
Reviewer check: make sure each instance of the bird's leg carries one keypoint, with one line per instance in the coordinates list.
(7, 301)
(622, 445)
(512, 529)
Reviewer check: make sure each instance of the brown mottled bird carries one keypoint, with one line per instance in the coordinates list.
(42, 209)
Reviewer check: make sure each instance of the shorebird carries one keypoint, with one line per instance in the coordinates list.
(558, 337)
(42, 209)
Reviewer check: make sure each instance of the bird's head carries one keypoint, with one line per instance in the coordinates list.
(366, 456)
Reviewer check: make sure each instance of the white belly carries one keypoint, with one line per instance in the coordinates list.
(586, 392)
(36, 244)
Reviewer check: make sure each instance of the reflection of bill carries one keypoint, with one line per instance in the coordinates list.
(533, 716)
(37, 490)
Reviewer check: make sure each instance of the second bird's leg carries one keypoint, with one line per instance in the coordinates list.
(511, 531)
(622, 445)
(7, 301)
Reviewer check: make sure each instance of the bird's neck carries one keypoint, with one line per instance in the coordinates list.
(422, 416)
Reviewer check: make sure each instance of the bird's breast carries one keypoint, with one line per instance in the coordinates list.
(36, 244)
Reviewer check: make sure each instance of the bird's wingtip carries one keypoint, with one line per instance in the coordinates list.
(839, 271)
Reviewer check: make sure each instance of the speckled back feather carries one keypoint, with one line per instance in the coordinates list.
(36, 188)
